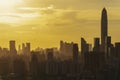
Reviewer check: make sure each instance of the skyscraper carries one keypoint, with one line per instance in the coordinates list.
(108, 46)
(28, 48)
(96, 45)
(50, 54)
(75, 52)
(84, 46)
(84, 49)
(12, 47)
(66, 50)
(104, 29)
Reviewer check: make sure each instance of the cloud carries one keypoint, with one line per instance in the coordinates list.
(71, 18)
(36, 8)
(74, 4)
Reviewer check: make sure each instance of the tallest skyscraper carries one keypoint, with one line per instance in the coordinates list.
(104, 29)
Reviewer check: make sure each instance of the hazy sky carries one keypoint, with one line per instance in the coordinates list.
(45, 22)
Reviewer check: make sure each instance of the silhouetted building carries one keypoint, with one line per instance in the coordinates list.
(84, 48)
(94, 60)
(34, 64)
(19, 49)
(108, 46)
(19, 66)
(104, 29)
(23, 48)
(4, 66)
(12, 47)
(28, 48)
(75, 52)
(117, 49)
(5, 51)
(96, 45)
(66, 50)
(50, 54)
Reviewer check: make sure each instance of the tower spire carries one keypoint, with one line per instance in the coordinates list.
(104, 28)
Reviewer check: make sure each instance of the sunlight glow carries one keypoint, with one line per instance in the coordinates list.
(9, 3)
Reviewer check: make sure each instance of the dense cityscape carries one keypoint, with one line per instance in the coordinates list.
(97, 62)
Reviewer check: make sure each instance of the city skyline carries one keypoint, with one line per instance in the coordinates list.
(101, 44)
(41, 22)
(104, 36)
(98, 59)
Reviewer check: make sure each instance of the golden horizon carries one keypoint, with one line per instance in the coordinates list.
(45, 23)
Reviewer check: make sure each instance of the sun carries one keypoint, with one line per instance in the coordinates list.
(9, 3)
(8, 10)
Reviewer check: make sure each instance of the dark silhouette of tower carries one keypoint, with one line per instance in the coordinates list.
(75, 52)
(28, 48)
(84, 49)
(50, 54)
(104, 29)
(12, 47)
(96, 45)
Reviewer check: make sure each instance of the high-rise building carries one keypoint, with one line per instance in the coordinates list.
(50, 54)
(108, 46)
(28, 48)
(75, 52)
(117, 49)
(96, 45)
(84, 49)
(12, 47)
(84, 46)
(66, 50)
(104, 29)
